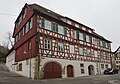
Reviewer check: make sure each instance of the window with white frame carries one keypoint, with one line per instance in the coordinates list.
(82, 68)
(47, 25)
(60, 29)
(71, 48)
(60, 47)
(47, 44)
(81, 52)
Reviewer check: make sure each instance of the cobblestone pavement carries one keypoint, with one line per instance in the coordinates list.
(7, 77)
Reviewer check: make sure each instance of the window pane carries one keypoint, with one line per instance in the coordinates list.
(60, 47)
(65, 31)
(60, 29)
(80, 36)
(31, 23)
(81, 51)
(47, 25)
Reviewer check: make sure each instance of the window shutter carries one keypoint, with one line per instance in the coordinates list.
(56, 28)
(65, 31)
(42, 23)
(84, 37)
(77, 33)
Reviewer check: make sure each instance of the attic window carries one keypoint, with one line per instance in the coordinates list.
(48, 11)
(69, 22)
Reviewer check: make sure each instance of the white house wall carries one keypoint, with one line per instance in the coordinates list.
(65, 63)
(26, 68)
(10, 60)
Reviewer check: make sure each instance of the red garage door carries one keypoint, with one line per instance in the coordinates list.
(52, 70)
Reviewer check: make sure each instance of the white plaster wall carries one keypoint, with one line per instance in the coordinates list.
(75, 64)
(10, 60)
(102, 70)
(26, 68)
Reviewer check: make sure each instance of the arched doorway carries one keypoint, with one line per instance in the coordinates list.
(52, 70)
(91, 70)
(70, 71)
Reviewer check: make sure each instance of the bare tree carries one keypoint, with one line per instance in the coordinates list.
(8, 43)
(9, 36)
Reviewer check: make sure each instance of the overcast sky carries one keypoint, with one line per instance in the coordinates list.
(101, 15)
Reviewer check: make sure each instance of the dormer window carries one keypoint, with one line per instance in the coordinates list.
(89, 31)
(69, 22)
(76, 25)
(83, 28)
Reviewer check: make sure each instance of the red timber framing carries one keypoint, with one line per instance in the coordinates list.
(68, 40)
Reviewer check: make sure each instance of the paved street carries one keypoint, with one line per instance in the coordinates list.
(11, 78)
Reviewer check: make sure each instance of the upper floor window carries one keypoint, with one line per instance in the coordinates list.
(27, 27)
(47, 44)
(17, 37)
(25, 12)
(101, 43)
(71, 48)
(16, 24)
(31, 23)
(20, 19)
(88, 38)
(81, 51)
(54, 27)
(46, 24)
(60, 47)
(69, 22)
(79, 35)
(61, 29)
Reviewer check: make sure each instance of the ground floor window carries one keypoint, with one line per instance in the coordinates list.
(82, 68)
(102, 66)
(19, 67)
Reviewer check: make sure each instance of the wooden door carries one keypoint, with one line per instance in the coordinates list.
(52, 70)
(70, 71)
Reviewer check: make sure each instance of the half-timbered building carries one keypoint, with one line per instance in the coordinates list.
(49, 45)
(116, 59)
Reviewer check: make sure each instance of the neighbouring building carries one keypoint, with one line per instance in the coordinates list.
(49, 45)
(10, 60)
(116, 62)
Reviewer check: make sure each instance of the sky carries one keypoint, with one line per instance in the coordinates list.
(101, 15)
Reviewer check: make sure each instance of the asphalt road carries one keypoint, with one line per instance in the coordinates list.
(7, 77)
